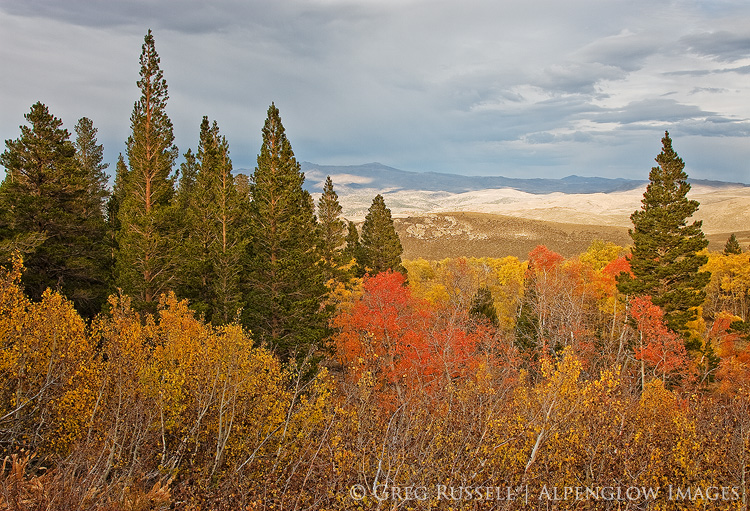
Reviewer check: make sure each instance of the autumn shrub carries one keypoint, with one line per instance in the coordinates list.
(144, 412)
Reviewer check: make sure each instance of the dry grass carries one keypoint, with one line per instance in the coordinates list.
(440, 235)
(435, 236)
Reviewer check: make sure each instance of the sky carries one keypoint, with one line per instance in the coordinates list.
(527, 88)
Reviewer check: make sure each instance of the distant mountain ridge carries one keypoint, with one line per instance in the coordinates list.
(388, 179)
(375, 175)
(379, 176)
(584, 201)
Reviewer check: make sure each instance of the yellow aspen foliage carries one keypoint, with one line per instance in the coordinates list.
(47, 368)
(122, 427)
(342, 296)
(729, 287)
(600, 253)
(454, 282)
(664, 446)
(558, 402)
(505, 278)
(422, 273)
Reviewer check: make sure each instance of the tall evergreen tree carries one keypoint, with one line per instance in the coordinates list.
(665, 259)
(188, 175)
(380, 247)
(732, 246)
(146, 257)
(352, 248)
(53, 208)
(214, 212)
(483, 306)
(112, 214)
(332, 231)
(90, 156)
(285, 287)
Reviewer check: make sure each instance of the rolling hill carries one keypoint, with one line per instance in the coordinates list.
(445, 215)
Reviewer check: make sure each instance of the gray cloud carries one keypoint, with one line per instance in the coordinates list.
(524, 88)
(706, 72)
(723, 46)
(712, 90)
(626, 51)
(660, 110)
(715, 127)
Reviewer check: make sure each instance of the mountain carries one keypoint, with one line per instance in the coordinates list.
(725, 207)
(388, 179)
(445, 215)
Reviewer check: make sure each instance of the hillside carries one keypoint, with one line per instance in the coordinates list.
(444, 215)
(441, 235)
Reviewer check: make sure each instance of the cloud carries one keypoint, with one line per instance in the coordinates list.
(476, 87)
(626, 50)
(722, 46)
(715, 127)
(711, 90)
(706, 72)
(653, 110)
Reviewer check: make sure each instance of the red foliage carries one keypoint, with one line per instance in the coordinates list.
(617, 266)
(660, 348)
(543, 259)
(734, 368)
(401, 340)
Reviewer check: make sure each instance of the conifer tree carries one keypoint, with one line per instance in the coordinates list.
(112, 217)
(215, 224)
(95, 244)
(665, 258)
(186, 187)
(332, 231)
(352, 248)
(90, 156)
(114, 201)
(483, 306)
(146, 256)
(53, 211)
(285, 287)
(732, 246)
(380, 246)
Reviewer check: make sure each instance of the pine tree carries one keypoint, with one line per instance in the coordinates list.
(214, 216)
(94, 241)
(352, 248)
(116, 198)
(90, 156)
(146, 256)
(732, 246)
(380, 247)
(331, 229)
(186, 187)
(483, 306)
(53, 211)
(665, 257)
(112, 217)
(285, 287)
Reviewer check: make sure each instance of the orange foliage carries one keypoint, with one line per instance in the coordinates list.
(543, 259)
(734, 368)
(660, 348)
(617, 266)
(402, 342)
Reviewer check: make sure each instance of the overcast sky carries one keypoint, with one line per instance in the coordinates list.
(529, 88)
